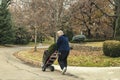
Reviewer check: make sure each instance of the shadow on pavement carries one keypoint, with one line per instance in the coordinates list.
(71, 75)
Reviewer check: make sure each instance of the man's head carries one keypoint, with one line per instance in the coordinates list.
(60, 33)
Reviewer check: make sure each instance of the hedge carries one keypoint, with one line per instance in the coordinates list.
(111, 48)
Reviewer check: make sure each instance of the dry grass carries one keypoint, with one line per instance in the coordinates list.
(77, 58)
(94, 44)
(30, 54)
(93, 58)
(1, 46)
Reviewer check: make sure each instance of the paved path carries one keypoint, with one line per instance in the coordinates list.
(95, 73)
(12, 68)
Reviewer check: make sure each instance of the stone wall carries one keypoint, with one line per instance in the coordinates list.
(85, 48)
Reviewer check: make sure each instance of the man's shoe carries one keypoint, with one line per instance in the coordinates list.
(64, 70)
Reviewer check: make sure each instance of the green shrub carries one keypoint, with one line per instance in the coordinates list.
(78, 38)
(52, 48)
(111, 48)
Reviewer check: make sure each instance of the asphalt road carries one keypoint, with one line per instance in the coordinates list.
(12, 68)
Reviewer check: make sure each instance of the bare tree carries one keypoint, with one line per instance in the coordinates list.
(32, 14)
(56, 12)
(90, 18)
(115, 5)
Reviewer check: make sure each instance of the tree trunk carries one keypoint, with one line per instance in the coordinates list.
(89, 33)
(35, 48)
(117, 13)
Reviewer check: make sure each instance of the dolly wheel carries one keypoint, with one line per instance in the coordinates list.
(43, 69)
(51, 68)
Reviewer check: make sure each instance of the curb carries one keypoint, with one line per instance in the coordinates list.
(27, 61)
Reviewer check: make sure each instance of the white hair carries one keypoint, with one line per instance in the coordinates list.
(60, 33)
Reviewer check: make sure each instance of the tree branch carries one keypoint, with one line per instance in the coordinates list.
(93, 3)
(112, 3)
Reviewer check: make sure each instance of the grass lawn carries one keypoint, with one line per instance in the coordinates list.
(77, 58)
(44, 43)
(31, 55)
(94, 44)
(91, 59)
(1, 46)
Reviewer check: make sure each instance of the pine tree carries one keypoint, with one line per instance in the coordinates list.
(6, 29)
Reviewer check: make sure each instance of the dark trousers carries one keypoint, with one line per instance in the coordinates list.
(62, 58)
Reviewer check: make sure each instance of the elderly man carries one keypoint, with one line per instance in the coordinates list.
(63, 50)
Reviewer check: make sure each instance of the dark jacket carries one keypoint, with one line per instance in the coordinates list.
(63, 44)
